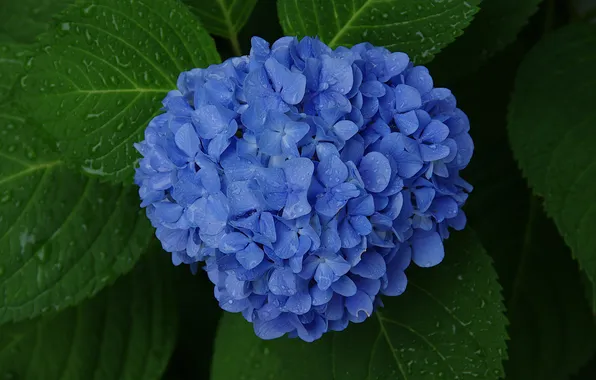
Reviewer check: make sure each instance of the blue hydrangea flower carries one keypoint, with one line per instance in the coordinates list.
(305, 180)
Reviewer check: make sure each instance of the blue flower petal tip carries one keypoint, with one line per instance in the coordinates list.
(305, 180)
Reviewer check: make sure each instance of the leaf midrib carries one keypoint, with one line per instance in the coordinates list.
(29, 169)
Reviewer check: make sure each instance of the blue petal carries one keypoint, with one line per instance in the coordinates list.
(424, 197)
(287, 243)
(363, 205)
(335, 308)
(211, 120)
(435, 132)
(167, 211)
(233, 242)
(373, 89)
(187, 140)
(349, 236)
(420, 78)
(296, 205)
(394, 206)
(217, 146)
(408, 164)
(337, 74)
(368, 286)
(236, 289)
(458, 222)
(338, 265)
(354, 255)
(344, 286)
(241, 197)
(282, 282)
(396, 283)
(267, 226)
(250, 257)
(330, 237)
(395, 64)
(427, 249)
(320, 297)
(361, 224)
(375, 171)
(172, 240)
(324, 276)
(268, 312)
(444, 208)
(291, 85)
(332, 171)
(345, 129)
(407, 98)
(359, 305)
(433, 152)
(372, 265)
(270, 142)
(210, 179)
(298, 173)
(210, 213)
(274, 328)
(407, 123)
(295, 131)
(299, 303)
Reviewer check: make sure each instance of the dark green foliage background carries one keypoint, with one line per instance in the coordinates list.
(87, 292)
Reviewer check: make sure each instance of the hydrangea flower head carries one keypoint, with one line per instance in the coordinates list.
(304, 180)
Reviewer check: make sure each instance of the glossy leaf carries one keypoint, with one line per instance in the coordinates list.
(63, 236)
(494, 27)
(551, 128)
(11, 66)
(102, 72)
(550, 327)
(224, 18)
(126, 332)
(448, 324)
(24, 20)
(419, 28)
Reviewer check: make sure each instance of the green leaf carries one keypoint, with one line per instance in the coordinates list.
(22, 21)
(201, 312)
(101, 73)
(494, 27)
(12, 65)
(552, 330)
(551, 128)
(63, 235)
(419, 28)
(224, 18)
(126, 332)
(448, 324)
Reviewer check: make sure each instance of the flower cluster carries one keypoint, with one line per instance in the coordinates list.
(306, 179)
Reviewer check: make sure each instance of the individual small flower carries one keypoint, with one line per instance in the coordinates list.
(305, 180)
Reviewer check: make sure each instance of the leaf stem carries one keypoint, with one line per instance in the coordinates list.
(549, 18)
(532, 211)
(235, 44)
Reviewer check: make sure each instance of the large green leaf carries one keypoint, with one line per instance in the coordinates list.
(549, 324)
(552, 330)
(11, 66)
(126, 332)
(102, 71)
(22, 21)
(419, 28)
(448, 324)
(495, 26)
(551, 127)
(63, 236)
(199, 316)
(224, 18)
